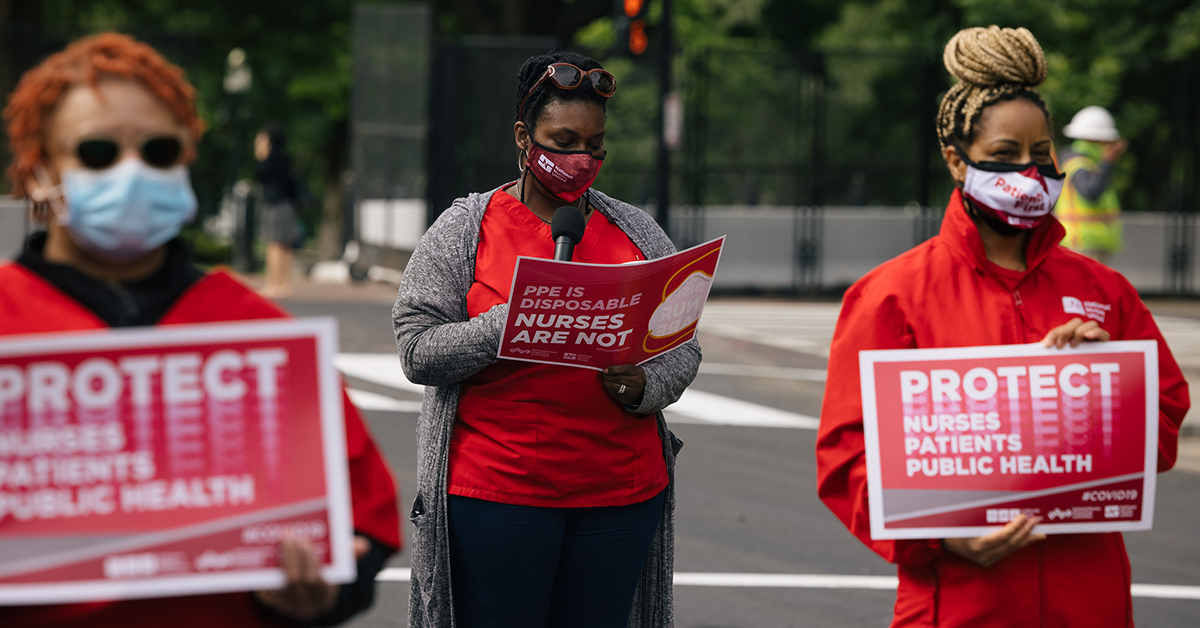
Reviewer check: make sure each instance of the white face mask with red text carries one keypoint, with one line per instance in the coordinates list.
(1019, 195)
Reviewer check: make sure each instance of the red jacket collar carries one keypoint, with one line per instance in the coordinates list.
(960, 232)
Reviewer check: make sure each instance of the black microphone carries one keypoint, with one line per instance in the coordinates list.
(567, 230)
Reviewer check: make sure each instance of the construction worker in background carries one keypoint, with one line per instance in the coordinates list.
(1088, 207)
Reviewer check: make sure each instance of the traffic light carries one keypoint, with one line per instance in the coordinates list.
(630, 18)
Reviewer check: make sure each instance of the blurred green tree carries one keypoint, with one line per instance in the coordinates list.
(1141, 60)
(555, 18)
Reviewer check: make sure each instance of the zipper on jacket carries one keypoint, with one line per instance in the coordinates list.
(1021, 325)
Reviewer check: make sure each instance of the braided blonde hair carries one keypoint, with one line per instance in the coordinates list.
(992, 65)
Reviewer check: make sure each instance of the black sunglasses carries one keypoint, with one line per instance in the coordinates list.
(567, 76)
(159, 152)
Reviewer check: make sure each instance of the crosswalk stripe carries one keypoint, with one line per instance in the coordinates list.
(785, 580)
(1183, 338)
(366, 400)
(756, 370)
(801, 327)
(377, 368)
(808, 327)
(1166, 591)
(695, 406)
(825, 581)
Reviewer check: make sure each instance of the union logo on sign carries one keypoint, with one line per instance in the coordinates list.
(1059, 513)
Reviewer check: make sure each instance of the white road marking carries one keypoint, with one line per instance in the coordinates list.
(802, 327)
(808, 327)
(756, 370)
(394, 574)
(694, 406)
(1166, 591)
(366, 400)
(1189, 453)
(826, 581)
(377, 368)
(786, 581)
(1183, 337)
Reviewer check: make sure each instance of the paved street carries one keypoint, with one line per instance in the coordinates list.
(755, 547)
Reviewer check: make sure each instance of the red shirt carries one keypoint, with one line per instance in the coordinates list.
(28, 304)
(944, 293)
(539, 434)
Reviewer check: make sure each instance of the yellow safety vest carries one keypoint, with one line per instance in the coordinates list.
(1091, 225)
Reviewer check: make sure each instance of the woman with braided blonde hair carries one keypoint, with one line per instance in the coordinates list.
(994, 275)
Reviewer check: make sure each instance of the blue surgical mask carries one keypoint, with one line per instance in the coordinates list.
(128, 210)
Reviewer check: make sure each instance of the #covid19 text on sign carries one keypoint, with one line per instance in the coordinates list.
(961, 441)
(169, 461)
(600, 315)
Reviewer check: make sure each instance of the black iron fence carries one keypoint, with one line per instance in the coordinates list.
(777, 127)
(471, 118)
(763, 126)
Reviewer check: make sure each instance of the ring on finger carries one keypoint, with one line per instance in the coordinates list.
(621, 390)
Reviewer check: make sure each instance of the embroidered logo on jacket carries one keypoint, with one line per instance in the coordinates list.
(1092, 309)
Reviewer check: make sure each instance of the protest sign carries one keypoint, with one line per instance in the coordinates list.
(169, 461)
(961, 441)
(599, 315)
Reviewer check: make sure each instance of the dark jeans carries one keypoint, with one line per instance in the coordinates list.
(529, 567)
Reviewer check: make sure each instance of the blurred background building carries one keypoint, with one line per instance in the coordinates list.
(802, 128)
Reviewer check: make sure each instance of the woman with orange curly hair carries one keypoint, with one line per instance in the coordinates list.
(101, 134)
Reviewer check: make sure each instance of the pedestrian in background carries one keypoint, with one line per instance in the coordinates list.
(282, 198)
(101, 135)
(1088, 207)
(994, 275)
(545, 492)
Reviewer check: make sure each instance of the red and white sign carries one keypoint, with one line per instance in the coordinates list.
(169, 461)
(599, 315)
(961, 441)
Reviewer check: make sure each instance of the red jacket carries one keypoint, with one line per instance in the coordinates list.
(944, 293)
(29, 304)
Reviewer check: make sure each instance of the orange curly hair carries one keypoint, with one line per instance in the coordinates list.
(85, 62)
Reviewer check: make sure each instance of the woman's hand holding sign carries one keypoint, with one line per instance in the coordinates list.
(986, 551)
(306, 596)
(1074, 332)
(624, 383)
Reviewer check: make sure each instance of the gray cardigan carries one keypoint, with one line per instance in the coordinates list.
(440, 346)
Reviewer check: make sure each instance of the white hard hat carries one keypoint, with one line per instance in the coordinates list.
(1094, 124)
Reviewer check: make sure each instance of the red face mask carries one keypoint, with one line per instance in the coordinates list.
(567, 174)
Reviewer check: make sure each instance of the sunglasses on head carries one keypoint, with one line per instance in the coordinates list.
(159, 152)
(567, 76)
